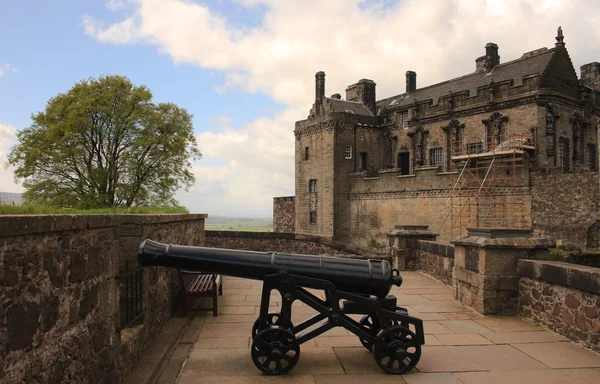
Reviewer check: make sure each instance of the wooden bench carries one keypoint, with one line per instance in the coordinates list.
(198, 284)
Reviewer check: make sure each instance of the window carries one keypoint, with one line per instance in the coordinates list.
(313, 217)
(474, 147)
(363, 161)
(348, 152)
(405, 120)
(404, 162)
(306, 153)
(563, 153)
(312, 186)
(592, 157)
(436, 156)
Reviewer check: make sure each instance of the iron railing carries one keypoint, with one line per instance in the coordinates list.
(131, 288)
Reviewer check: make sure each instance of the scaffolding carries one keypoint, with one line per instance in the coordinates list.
(489, 182)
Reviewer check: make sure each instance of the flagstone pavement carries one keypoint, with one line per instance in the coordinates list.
(461, 346)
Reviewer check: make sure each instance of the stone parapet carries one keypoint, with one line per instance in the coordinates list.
(402, 239)
(485, 267)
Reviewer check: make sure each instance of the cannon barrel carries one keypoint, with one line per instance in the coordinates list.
(370, 277)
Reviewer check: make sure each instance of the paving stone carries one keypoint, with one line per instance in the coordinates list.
(319, 361)
(338, 341)
(430, 378)
(142, 374)
(561, 355)
(226, 330)
(444, 297)
(439, 307)
(502, 358)
(231, 319)
(462, 316)
(427, 291)
(219, 362)
(463, 339)
(425, 316)
(357, 360)
(446, 359)
(411, 299)
(464, 326)
(508, 324)
(563, 376)
(434, 328)
(523, 337)
(432, 340)
(381, 378)
(191, 334)
(224, 343)
(288, 378)
(242, 310)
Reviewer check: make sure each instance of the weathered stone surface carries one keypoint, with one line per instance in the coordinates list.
(284, 214)
(21, 324)
(572, 302)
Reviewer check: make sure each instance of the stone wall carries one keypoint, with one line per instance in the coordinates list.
(433, 258)
(284, 214)
(279, 242)
(59, 294)
(565, 205)
(563, 297)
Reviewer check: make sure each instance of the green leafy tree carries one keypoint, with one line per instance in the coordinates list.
(104, 143)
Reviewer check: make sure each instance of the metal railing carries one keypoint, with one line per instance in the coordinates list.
(131, 288)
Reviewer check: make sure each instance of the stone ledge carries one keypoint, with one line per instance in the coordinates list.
(17, 225)
(433, 247)
(511, 243)
(579, 277)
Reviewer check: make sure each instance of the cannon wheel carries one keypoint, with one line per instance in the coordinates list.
(274, 350)
(371, 322)
(396, 350)
(274, 318)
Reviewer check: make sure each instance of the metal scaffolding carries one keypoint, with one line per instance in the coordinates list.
(489, 182)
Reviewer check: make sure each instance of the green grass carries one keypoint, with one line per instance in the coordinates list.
(258, 226)
(39, 209)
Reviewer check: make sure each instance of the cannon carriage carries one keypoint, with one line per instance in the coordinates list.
(350, 286)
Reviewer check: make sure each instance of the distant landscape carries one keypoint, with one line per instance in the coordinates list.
(225, 223)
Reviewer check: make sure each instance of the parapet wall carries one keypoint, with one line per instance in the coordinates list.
(563, 297)
(60, 316)
(284, 214)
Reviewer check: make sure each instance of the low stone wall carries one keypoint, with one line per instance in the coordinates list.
(432, 258)
(279, 242)
(60, 297)
(284, 214)
(564, 297)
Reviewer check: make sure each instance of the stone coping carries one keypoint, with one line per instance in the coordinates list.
(284, 198)
(514, 243)
(579, 277)
(16, 225)
(433, 247)
(500, 232)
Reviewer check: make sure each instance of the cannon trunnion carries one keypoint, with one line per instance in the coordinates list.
(350, 286)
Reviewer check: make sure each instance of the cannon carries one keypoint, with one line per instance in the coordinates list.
(350, 286)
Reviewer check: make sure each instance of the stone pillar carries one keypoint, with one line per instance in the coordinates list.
(400, 240)
(484, 276)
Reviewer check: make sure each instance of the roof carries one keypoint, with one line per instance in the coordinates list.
(346, 106)
(531, 63)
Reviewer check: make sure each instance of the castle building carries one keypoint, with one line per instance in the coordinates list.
(509, 145)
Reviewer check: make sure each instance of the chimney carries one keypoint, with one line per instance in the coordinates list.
(480, 64)
(491, 56)
(336, 96)
(319, 86)
(411, 81)
(590, 75)
(363, 92)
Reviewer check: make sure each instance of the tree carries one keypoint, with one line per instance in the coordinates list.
(105, 144)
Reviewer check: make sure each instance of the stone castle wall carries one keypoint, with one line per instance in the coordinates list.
(565, 205)
(60, 311)
(563, 297)
(284, 214)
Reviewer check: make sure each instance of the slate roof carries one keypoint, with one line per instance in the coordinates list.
(531, 63)
(346, 106)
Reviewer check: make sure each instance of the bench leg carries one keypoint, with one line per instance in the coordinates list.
(215, 305)
(221, 288)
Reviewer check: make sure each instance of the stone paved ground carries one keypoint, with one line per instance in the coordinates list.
(462, 346)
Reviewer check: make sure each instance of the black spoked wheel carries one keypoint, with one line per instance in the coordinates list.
(274, 350)
(371, 323)
(273, 318)
(396, 350)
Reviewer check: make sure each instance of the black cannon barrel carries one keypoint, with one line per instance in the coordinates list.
(371, 277)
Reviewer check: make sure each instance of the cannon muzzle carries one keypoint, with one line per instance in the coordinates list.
(370, 277)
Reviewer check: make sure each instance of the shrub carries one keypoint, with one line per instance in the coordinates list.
(570, 248)
(557, 254)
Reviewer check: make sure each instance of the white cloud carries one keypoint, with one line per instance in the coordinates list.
(6, 69)
(116, 5)
(8, 137)
(349, 40)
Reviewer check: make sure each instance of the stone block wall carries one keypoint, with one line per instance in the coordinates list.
(284, 214)
(59, 294)
(563, 297)
(433, 258)
(565, 205)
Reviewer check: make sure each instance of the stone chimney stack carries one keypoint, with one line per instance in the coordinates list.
(363, 92)
(319, 86)
(411, 81)
(336, 96)
(491, 56)
(590, 75)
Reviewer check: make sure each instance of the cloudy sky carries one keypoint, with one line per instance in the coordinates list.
(245, 68)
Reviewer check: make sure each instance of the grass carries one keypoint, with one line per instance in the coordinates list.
(39, 209)
(243, 227)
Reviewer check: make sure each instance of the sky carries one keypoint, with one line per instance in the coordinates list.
(245, 68)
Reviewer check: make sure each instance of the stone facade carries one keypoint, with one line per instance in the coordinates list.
(60, 317)
(563, 297)
(284, 214)
(363, 166)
